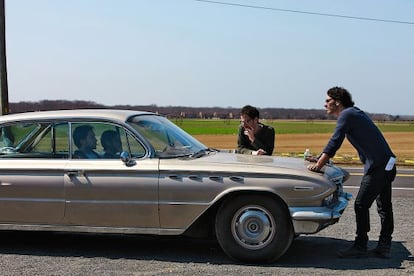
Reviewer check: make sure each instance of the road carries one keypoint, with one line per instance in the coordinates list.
(28, 253)
(403, 184)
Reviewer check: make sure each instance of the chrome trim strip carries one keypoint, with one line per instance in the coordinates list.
(91, 229)
(188, 203)
(78, 201)
(25, 199)
(303, 188)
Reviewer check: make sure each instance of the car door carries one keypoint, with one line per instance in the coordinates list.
(32, 161)
(104, 192)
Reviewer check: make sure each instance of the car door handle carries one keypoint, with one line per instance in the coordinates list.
(5, 184)
(174, 176)
(74, 173)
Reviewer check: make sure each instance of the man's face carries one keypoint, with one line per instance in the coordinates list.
(247, 122)
(90, 141)
(330, 106)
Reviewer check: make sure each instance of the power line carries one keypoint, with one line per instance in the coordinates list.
(307, 12)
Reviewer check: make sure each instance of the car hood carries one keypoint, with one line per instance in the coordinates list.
(243, 164)
(254, 161)
(286, 176)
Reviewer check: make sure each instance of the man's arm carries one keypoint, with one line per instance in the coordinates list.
(266, 141)
(243, 143)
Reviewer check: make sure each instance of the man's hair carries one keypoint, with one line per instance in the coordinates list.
(341, 94)
(107, 137)
(250, 111)
(80, 133)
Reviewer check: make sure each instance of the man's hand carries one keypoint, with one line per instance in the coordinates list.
(259, 152)
(319, 163)
(314, 168)
(250, 134)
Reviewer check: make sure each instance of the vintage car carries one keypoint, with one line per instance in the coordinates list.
(59, 173)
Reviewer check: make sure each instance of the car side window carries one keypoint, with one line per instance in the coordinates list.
(61, 141)
(34, 140)
(135, 149)
(97, 140)
(53, 141)
(16, 139)
(6, 137)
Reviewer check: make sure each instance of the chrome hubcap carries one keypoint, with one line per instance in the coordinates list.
(253, 227)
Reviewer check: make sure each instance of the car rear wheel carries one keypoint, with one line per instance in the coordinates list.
(253, 228)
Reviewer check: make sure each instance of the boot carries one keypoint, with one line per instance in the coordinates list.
(382, 250)
(357, 250)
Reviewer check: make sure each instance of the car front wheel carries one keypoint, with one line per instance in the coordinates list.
(253, 228)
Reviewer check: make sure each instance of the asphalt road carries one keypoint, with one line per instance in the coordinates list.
(402, 186)
(29, 253)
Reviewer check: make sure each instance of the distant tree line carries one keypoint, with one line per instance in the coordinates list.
(194, 112)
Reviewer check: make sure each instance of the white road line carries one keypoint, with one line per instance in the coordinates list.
(399, 175)
(394, 188)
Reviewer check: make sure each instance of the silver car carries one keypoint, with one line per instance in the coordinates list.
(123, 171)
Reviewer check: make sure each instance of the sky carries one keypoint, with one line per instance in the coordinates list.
(204, 54)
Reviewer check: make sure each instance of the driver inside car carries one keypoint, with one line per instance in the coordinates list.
(84, 139)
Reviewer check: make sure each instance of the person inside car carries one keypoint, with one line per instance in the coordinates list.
(84, 139)
(111, 142)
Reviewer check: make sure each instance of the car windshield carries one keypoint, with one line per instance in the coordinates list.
(167, 139)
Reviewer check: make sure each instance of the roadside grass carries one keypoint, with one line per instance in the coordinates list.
(227, 126)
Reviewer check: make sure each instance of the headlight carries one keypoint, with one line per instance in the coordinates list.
(329, 200)
(338, 180)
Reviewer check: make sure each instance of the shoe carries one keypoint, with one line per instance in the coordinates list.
(354, 251)
(380, 252)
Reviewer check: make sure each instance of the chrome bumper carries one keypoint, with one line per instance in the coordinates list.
(310, 220)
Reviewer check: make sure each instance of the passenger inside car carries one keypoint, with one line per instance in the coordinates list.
(111, 142)
(84, 139)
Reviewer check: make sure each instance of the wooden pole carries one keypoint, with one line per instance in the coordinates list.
(4, 93)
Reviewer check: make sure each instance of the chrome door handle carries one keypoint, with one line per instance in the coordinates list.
(74, 173)
(174, 176)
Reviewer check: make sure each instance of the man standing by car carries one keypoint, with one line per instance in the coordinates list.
(379, 170)
(254, 137)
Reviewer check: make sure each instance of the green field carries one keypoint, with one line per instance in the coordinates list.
(199, 127)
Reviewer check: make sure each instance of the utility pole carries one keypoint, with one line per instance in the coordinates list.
(4, 93)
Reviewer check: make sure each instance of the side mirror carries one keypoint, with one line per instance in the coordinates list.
(126, 158)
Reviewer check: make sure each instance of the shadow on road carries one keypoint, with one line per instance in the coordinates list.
(306, 251)
(320, 252)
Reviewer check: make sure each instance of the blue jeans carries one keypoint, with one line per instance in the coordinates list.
(376, 185)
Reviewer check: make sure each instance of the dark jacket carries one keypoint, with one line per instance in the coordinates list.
(265, 139)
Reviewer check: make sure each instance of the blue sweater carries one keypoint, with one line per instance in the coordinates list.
(364, 135)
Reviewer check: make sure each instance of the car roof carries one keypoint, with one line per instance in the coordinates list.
(102, 114)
